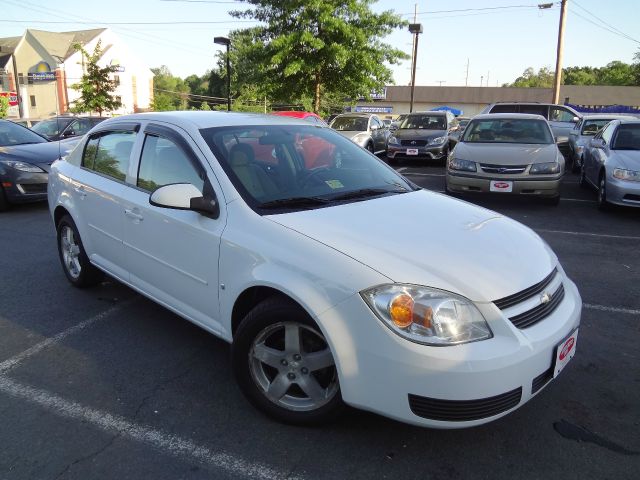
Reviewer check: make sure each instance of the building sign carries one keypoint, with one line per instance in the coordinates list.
(41, 72)
(116, 63)
(13, 98)
(377, 95)
(370, 109)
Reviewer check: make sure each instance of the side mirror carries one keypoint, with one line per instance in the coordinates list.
(597, 143)
(562, 139)
(575, 119)
(184, 196)
(68, 133)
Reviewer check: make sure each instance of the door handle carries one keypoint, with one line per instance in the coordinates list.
(80, 191)
(132, 215)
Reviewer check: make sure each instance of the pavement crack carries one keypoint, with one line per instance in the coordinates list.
(88, 457)
(580, 434)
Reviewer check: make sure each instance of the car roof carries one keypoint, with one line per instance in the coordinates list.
(629, 120)
(604, 116)
(509, 116)
(203, 119)
(429, 112)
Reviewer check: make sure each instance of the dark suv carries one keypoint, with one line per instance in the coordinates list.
(561, 118)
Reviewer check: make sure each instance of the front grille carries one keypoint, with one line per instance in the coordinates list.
(631, 197)
(463, 410)
(502, 169)
(525, 294)
(533, 316)
(34, 187)
(541, 380)
(413, 143)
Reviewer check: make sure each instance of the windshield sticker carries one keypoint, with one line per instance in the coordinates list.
(334, 184)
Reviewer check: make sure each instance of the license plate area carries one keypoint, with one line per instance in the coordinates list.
(500, 186)
(412, 151)
(565, 351)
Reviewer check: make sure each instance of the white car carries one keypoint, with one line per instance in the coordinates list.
(334, 278)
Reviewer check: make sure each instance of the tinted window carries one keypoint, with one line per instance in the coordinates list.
(14, 134)
(51, 127)
(426, 122)
(534, 109)
(504, 109)
(508, 131)
(627, 137)
(559, 114)
(355, 124)
(109, 154)
(164, 163)
(81, 126)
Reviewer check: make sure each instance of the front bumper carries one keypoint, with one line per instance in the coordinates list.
(24, 187)
(468, 183)
(623, 192)
(386, 374)
(429, 152)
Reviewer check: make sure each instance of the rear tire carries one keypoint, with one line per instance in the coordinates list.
(75, 263)
(583, 177)
(284, 366)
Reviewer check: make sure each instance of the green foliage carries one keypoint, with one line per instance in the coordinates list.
(204, 106)
(614, 73)
(169, 92)
(4, 106)
(96, 87)
(310, 49)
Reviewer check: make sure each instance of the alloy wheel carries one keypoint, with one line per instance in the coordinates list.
(70, 251)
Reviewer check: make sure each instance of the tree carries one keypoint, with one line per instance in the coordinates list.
(4, 106)
(96, 87)
(169, 92)
(613, 73)
(310, 48)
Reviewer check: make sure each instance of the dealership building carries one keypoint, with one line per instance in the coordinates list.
(38, 69)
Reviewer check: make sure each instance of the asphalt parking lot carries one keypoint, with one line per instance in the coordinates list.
(105, 384)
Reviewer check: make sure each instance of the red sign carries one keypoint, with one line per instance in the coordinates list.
(566, 348)
(13, 98)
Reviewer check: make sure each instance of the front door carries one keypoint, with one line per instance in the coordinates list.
(172, 255)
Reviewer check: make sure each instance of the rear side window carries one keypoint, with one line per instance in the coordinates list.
(109, 154)
(505, 109)
(535, 110)
(559, 114)
(163, 163)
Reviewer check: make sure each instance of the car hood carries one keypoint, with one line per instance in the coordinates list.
(418, 134)
(629, 159)
(506, 153)
(39, 153)
(426, 238)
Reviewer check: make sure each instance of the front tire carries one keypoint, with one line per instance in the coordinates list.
(284, 365)
(603, 204)
(75, 263)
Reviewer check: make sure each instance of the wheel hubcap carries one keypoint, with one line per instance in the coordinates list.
(70, 252)
(292, 364)
(601, 192)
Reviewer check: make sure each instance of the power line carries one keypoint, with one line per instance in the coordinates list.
(471, 9)
(176, 22)
(626, 37)
(605, 23)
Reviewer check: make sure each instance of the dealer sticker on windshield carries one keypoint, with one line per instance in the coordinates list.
(334, 184)
(500, 186)
(412, 151)
(565, 352)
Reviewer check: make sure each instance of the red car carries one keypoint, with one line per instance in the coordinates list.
(308, 116)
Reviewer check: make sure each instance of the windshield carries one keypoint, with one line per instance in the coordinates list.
(426, 122)
(52, 127)
(299, 166)
(627, 137)
(508, 131)
(354, 124)
(14, 134)
(591, 127)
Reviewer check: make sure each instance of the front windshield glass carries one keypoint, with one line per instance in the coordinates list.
(627, 137)
(591, 127)
(14, 134)
(298, 166)
(426, 122)
(52, 127)
(506, 130)
(353, 124)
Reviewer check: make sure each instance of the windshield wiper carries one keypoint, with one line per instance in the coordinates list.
(295, 202)
(366, 192)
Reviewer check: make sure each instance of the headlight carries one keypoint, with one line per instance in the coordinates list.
(393, 140)
(551, 167)
(464, 165)
(437, 140)
(22, 166)
(427, 315)
(622, 174)
(360, 138)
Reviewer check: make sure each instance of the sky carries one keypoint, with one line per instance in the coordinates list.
(497, 39)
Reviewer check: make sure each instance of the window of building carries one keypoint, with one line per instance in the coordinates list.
(33, 100)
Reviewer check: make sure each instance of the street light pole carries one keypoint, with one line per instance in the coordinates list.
(558, 76)
(416, 29)
(225, 41)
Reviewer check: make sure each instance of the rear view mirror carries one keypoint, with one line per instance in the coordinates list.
(184, 196)
(575, 119)
(597, 143)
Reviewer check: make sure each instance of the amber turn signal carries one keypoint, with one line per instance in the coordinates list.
(401, 310)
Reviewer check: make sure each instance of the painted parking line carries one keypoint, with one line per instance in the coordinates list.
(117, 425)
(604, 308)
(589, 234)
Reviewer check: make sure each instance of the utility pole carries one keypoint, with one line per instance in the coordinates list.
(481, 79)
(558, 77)
(441, 82)
(466, 79)
(488, 72)
(416, 29)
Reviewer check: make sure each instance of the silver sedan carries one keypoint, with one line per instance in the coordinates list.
(612, 164)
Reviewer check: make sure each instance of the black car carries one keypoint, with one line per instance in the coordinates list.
(25, 159)
(423, 135)
(64, 126)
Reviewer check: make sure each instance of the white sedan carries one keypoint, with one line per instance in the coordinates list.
(335, 279)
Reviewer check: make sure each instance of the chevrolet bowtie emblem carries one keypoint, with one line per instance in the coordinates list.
(545, 298)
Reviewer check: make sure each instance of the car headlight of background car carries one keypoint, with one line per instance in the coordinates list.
(437, 140)
(22, 166)
(622, 174)
(460, 164)
(393, 140)
(360, 138)
(427, 315)
(550, 167)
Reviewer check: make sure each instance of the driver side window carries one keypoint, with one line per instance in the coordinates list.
(607, 133)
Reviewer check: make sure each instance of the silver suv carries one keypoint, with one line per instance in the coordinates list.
(365, 129)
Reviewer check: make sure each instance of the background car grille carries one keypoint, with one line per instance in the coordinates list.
(413, 143)
(463, 410)
(34, 187)
(502, 169)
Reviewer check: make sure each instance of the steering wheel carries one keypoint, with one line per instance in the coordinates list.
(312, 175)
